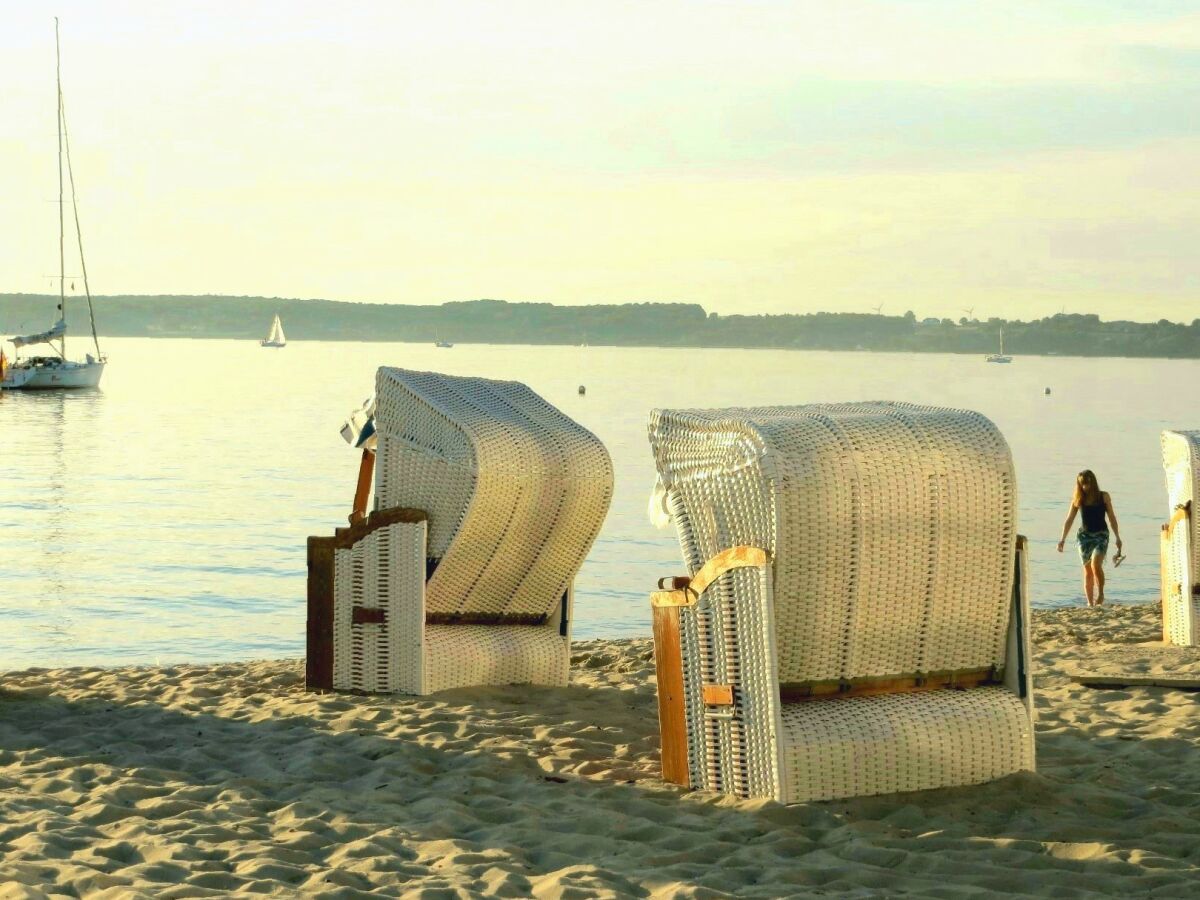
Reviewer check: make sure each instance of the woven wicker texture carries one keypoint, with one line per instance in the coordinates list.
(466, 655)
(516, 491)
(1181, 559)
(892, 528)
(384, 571)
(903, 742)
(892, 538)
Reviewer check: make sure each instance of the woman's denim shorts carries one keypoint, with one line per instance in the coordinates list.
(1091, 543)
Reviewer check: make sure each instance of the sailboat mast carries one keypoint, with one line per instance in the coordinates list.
(62, 264)
(87, 290)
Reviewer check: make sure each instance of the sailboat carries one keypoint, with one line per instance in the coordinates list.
(275, 337)
(53, 372)
(1000, 357)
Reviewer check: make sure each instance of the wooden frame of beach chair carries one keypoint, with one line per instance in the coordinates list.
(487, 501)
(1179, 555)
(856, 620)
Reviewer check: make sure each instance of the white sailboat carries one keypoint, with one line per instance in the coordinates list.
(1000, 357)
(54, 372)
(275, 337)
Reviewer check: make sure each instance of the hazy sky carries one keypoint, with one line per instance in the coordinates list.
(1018, 158)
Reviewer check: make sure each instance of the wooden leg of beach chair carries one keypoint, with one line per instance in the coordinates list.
(672, 724)
(1164, 593)
(318, 660)
(366, 469)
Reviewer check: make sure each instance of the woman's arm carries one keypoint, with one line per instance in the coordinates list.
(1112, 518)
(1067, 525)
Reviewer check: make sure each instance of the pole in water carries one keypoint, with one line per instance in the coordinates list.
(582, 390)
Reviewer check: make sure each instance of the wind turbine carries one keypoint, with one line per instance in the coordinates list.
(970, 311)
(877, 309)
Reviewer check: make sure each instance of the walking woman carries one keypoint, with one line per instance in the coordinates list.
(1092, 505)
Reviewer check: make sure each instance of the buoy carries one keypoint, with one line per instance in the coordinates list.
(1047, 392)
(582, 390)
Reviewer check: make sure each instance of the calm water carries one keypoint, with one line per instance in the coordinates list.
(164, 517)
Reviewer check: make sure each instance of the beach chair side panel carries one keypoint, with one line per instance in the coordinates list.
(731, 690)
(1178, 551)
(1018, 661)
(1180, 599)
(379, 612)
(730, 683)
(365, 629)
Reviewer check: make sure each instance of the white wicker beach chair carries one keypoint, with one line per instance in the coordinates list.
(487, 501)
(1179, 553)
(856, 618)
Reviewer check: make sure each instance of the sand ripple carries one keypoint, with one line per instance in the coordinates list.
(190, 781)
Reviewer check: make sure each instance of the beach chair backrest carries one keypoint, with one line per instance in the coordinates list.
(890, 528)
(515, 490)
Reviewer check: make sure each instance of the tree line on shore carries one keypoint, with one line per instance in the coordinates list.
(628, 324)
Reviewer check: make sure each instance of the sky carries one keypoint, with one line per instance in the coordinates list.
(1011, 159)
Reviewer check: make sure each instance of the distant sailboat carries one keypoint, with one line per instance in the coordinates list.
(55, 372)
(1000, 357)
(275, 337)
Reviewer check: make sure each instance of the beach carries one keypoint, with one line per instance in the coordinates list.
(202, 780)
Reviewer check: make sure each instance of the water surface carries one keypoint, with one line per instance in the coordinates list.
(163, 518)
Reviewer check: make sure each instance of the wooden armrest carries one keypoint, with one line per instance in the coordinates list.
(684, 591)
(344, 538)
(1182, 511)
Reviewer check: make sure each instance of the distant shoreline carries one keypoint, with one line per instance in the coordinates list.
(648, 325)
(599, 346)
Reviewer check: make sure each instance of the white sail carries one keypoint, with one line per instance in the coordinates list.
(275, 337)
(59, 329)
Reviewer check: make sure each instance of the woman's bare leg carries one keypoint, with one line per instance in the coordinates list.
(1089, 585)
(1098, 576)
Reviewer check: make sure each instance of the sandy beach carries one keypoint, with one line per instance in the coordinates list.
(192, 780)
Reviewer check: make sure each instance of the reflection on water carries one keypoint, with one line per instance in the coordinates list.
(164, 517)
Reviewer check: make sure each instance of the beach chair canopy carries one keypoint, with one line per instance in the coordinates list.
(515, 491)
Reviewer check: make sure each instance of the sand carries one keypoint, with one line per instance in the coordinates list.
(197, 780)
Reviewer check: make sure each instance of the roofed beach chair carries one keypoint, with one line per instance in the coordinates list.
(855, 621)
(1179, 553)
(487, 500)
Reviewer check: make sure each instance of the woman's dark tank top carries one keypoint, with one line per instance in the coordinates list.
(1093, 517)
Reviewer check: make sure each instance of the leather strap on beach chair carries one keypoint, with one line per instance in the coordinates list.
(673, 595)
(1182, 511)
(684, 591)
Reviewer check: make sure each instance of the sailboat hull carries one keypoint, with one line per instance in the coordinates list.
(272, 343)
(53, 376)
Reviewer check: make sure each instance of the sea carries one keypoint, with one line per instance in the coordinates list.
(162, 518)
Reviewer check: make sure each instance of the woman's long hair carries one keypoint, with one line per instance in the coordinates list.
(1087, 489)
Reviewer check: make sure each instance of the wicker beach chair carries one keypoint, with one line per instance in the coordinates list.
(1179, 553)
(487, 500)
(855, 621)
